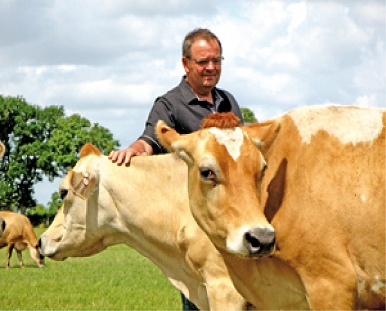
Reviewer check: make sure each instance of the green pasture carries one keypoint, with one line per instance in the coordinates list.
(116, 279)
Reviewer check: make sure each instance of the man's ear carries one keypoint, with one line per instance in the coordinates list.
(263, 134)
(185, 64)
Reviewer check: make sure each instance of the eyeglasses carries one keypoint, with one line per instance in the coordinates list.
(204, 62)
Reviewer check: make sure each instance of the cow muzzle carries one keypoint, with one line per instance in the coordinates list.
(260, 241)
(252, 241)
(48, 247)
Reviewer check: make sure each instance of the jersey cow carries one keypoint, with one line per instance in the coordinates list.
(19, 235)
(146, 207)
(323, 192)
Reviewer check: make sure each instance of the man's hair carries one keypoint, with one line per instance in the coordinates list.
(197, 34)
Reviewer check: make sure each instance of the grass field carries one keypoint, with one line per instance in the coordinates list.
(116, 279)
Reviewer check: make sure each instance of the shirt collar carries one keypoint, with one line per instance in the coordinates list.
(191, 97)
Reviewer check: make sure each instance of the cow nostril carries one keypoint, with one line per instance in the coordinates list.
(252, 240)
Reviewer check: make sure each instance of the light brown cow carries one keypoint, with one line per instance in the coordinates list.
(323, 191)
(146, 207)
(19, 235)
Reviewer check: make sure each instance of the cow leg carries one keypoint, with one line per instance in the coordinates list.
(19, 256)
(9, 254)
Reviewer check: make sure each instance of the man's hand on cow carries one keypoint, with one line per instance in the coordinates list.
(124, 156)
(139, 147)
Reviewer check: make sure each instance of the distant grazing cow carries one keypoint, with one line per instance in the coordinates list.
(323, 191)
(146, 207)
(19, 234)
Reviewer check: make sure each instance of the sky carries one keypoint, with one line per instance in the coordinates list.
(108, 60)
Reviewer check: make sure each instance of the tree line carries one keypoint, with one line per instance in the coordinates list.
(41, 142)
(44, 142)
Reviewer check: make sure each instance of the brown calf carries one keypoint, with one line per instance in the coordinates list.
(19, 234)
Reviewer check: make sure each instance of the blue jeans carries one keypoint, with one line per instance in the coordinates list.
(187, 305)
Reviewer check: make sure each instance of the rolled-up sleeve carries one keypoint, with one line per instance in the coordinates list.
(162, 110)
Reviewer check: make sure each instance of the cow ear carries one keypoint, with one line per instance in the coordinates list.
(83, 182)
(172, 141)
(166, 135)
(263, 134)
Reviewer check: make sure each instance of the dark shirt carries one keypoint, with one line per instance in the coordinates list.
(181, 109)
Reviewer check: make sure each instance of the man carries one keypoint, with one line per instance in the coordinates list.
(184, 107)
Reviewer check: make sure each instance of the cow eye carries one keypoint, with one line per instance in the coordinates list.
(63, 192)
(260, 175)
(207, 174)
(263, 170)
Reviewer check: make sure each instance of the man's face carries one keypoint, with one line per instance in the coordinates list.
(203, 67)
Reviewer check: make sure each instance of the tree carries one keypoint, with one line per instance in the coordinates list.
(248, 115)
(38, 215)
(54, 205)
(71, 134)
(40, 142)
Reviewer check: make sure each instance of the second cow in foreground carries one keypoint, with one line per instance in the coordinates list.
(19, 235)
(323, 191)
(144, 206)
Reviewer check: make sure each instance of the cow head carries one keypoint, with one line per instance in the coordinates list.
(37, 255)
(225, 172)
(78, 228)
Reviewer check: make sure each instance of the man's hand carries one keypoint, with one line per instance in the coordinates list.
(140, 147)
(123, 156)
